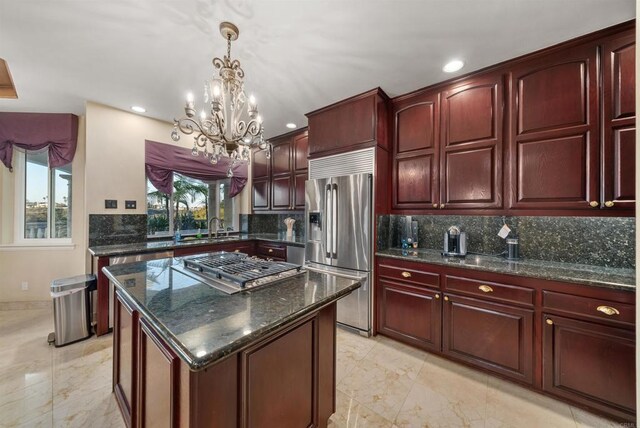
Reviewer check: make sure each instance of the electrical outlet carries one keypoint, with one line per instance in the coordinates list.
(130, 205)
(24, 286)
(110, 203)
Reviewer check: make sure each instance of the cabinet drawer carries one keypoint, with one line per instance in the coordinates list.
(272, 250)
(620, 313)
(490, 290)
(411, 275)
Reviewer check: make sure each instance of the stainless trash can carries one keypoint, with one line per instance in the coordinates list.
(71, 308)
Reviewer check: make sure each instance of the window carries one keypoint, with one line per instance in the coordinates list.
(43, 198)
(189, 208)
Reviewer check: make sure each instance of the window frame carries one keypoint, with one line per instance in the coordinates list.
(20, 205)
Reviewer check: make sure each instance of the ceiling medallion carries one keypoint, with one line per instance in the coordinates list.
(224, 128)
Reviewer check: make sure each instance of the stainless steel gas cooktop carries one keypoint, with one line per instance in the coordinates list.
(235, 272)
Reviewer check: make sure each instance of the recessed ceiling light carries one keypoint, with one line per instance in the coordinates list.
(291, 125)
(138, 109)
(452, 66)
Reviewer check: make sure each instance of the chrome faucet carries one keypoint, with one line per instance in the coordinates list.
(217, 224)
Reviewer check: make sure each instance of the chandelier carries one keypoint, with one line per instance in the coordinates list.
(224, 127)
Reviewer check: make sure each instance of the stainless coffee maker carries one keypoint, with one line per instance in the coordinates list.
(455, 242)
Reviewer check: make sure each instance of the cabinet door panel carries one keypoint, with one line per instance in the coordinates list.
(416, 127)
(471, 144)
(261, 194)
(298, 195)
(553, 170)
(414, 182)
(553, 96)
(260, 164)
(469, 176)
(281, 159)
(281, 193)
(410, 314)
(554, 144)
(470, 114)
(301, 151)
(268, 403)
(159, 371)
(125, 360)
(590, 363)
(496, 337)
(619, 121)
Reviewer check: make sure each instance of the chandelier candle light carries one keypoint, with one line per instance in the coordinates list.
(225, 130)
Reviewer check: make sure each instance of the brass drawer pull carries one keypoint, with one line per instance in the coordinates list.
(549, 321)
(406, 274)
(609, 204)
(271, 250)
(594, 204)
(236, 251)
(437, 296)
(435, 205)
(446, 298)
(608, 310)
(486, 288)
(441, 206)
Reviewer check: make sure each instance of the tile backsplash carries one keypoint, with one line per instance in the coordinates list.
(600, 241)
(270, 223)
(113, 229)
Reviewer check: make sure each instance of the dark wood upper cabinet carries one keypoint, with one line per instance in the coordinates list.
(554, 146)
(416, 152)
(282, 188)
(356, 122)
(471, 143)
(619, 121)
(260, 164)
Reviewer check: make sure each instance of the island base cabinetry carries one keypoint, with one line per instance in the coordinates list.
(574, 342)
(284, 379)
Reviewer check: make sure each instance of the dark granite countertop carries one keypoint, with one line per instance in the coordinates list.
(622, 279)
(169, 244)
(203, 324)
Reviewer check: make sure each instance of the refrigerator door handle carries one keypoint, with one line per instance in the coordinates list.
(328, 225)
(334, 220)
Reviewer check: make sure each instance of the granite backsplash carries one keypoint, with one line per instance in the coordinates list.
(270, 223)
(115, 229)
(599, 241)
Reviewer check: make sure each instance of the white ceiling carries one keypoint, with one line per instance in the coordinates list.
(298, 55)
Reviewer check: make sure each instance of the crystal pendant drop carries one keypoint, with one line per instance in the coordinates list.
(194, 151)
(214, 159)
(230, 172)
(174, 134)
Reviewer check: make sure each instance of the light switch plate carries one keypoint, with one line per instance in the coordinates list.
(110, 203)
(130, 205)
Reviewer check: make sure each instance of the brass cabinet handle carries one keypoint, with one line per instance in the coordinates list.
(435, 205)
(437, 296)
(609, 204)
(594, 204)
(446, 298)
(406, 274)
(236, 251)
(549, 321)
(441, 206)
(485, 288)
(608, 310)
(271, 250)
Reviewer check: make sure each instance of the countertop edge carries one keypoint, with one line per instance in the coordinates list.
(560, 278)
(220, 354)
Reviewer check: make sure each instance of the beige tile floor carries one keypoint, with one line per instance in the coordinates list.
(381, 383)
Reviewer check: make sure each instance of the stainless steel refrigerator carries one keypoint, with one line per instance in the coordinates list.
(339, 233)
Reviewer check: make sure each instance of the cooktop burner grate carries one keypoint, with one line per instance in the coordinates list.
(239, 268)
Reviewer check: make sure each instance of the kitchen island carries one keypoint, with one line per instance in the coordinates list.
(187, 354)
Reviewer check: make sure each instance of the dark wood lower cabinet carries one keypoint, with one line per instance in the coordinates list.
(284, 379)
(125, 359)
(590, 363)
(409, 313)
(574, 342)
(493, 336)
(159, 371)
